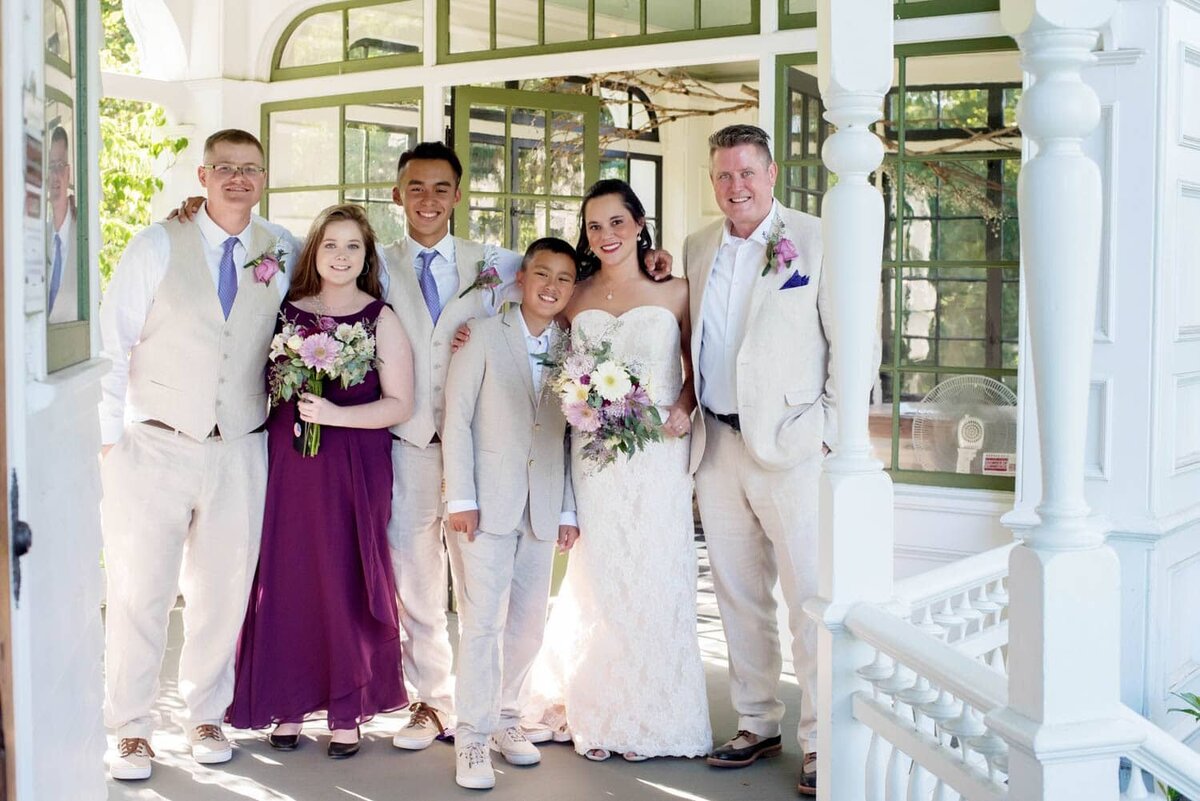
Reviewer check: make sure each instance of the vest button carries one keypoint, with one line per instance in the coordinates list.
(437, 389)
(531, 463)
(537, 426)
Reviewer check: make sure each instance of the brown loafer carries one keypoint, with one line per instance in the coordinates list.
(808, 775)
(745, 749)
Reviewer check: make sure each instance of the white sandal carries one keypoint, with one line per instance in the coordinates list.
(597, 754)
(630, 756)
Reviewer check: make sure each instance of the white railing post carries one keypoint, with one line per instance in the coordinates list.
(1064, 617)
(855, 69)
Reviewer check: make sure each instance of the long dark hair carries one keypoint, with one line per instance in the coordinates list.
(589, 262)
(306, 281)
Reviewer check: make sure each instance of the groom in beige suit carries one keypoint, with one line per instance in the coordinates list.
(760, 346)
(508, 492)
(187, 328)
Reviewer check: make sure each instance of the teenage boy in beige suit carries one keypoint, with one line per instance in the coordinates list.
(509, 496)
(760, 346)
(187, 329)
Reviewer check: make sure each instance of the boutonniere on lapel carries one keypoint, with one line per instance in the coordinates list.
(781, 251)
(268, 263)
(487, 275)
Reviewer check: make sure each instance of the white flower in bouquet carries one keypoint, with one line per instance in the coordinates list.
(574, 392)
(612, 381)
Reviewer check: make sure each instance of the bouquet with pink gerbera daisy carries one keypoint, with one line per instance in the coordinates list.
(303, 358)
(605, 401)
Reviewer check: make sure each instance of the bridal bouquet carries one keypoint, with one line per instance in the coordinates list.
(304, 358)
(605, 401)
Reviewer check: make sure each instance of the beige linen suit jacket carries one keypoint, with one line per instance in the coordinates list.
(503, 442)
(430, 343)
(785, 395)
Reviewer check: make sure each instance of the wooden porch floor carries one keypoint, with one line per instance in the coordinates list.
(383, 773)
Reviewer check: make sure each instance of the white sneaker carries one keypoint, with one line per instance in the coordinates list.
(536, 732)
(515, 746)
(473, 767)
(423, 727)
(209, 745)
(132, 760)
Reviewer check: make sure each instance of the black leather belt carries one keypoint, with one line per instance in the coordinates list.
(435, 441)
(214, 434)
(731, 420)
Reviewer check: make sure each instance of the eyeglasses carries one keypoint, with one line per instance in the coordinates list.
(59, 166)
(230, 170)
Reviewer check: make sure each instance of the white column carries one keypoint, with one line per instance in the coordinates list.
(1064, 621)
(855, 72)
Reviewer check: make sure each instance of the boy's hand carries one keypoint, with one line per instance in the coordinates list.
(466, 523)
(567, 536)
(659, 262)
(187, 209)
(461, 337)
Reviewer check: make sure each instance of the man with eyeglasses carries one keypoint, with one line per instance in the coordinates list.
(184, 466)
(62, 279)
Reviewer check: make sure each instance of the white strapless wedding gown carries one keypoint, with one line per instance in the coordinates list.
(621, 649)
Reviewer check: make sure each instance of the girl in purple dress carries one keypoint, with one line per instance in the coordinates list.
(321, 630)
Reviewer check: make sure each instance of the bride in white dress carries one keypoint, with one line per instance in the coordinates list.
(621, 651)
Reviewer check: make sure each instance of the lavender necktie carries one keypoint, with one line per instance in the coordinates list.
(55, 272)
(227, 278)
(429, 288)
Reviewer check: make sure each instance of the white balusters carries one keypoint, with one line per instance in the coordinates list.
(877, 753)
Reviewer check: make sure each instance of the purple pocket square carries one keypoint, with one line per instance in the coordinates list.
(796, 280)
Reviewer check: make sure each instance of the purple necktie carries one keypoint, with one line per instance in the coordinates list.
(55, 272)
(227, 278)
(429, 288)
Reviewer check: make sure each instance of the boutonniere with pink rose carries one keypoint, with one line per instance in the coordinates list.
(487, 275)
(268, 263)
(780, 249)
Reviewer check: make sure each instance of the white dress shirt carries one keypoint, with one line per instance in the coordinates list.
(445, 273)
(738, 264)
(131, 292)
(537, 347)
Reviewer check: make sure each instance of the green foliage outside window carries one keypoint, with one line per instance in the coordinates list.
(135, 150)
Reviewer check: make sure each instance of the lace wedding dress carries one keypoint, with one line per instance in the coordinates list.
(620, 650)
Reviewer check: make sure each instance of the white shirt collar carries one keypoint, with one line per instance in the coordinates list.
(543, 340)
(444, 248)
(758, 235)
(215, 235)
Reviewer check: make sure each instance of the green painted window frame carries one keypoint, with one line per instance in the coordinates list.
(904, 9)
(346, 65)
(70, 343)
(466, 96)
(783, 63)
(444, 56)
(53, 59)
(406, 95)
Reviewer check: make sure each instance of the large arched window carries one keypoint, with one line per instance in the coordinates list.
(348, 37)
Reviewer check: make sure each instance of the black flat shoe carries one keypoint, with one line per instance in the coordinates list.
(283, 742)
(344, 750)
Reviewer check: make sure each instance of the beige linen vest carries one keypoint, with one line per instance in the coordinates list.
(430, 343)
(192, 369)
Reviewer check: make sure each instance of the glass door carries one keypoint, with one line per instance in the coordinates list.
(528, 158)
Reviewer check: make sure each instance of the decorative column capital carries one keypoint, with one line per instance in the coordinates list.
(1022, 16)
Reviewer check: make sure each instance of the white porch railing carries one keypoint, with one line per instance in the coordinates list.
(934, 683)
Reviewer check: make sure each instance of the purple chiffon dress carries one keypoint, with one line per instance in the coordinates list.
(321, 630)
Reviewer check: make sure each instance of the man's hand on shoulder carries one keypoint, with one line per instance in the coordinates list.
(658, 263)
(187, 210)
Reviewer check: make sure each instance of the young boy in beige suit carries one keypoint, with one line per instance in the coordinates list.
(509, 499)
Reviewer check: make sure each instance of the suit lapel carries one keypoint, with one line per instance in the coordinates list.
(514, 335)
(707, 254)
(404, 291)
